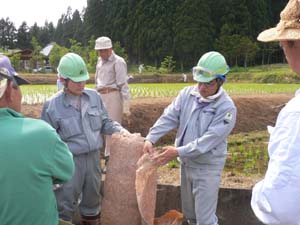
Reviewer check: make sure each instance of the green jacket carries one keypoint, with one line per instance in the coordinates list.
(32, 157)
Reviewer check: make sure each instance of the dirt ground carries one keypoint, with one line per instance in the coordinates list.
(255, 112)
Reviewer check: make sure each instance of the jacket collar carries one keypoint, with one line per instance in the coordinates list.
(8, 112)
(212, 98)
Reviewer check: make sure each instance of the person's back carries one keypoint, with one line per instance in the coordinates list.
(31, 158)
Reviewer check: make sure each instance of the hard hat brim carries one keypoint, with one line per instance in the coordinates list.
(81, 78)
(204, 79)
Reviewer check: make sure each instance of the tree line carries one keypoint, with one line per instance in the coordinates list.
(148, 31)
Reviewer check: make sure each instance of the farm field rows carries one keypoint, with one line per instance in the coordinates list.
(247, 145)
(34, 94)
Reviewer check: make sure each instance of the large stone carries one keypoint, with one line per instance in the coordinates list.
(119, 204)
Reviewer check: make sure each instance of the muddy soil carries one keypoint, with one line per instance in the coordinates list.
(255, 112)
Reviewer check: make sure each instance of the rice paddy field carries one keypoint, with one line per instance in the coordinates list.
(34, 94)
(247, 152)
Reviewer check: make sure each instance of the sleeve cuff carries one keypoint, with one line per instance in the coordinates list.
(148, 138)
(182, 151)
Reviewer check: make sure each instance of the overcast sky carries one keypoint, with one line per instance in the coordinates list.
(39, 11)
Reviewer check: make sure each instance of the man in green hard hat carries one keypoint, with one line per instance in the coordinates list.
(79, 117)
(204, 115)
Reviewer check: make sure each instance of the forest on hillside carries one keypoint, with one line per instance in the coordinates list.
(150, 30)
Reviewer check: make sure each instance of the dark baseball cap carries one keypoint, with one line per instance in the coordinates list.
(7, 71)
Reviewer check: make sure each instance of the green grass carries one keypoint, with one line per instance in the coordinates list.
(247, 153)
(275, 73)
(33, 94)
(283, 67)
(254, 88)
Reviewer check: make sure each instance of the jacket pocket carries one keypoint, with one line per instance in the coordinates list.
(69, 127)
(95, 120)
(204, 120)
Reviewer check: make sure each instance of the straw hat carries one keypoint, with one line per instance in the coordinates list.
(288, 27)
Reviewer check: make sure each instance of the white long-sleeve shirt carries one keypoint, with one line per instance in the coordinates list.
(112, 73)
(276, 199)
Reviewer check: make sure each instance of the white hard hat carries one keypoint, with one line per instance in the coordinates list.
(103, 43)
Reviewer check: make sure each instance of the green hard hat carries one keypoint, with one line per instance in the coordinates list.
(210, 66)
(73, 67)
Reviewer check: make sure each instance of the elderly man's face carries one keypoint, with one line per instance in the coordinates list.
(105, 53)
(208, 89)
(292, 53)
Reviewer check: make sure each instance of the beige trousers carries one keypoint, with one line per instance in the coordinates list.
(114, 105)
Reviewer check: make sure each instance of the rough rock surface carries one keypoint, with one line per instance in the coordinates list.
(119, 205)
(146, 183)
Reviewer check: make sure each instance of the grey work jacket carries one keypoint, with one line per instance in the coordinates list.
(81, 130)
(202, 132)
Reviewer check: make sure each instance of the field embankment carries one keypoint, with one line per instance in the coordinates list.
(255, 112)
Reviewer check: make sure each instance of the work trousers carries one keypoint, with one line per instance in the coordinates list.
(85, 184)
(199, 194)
